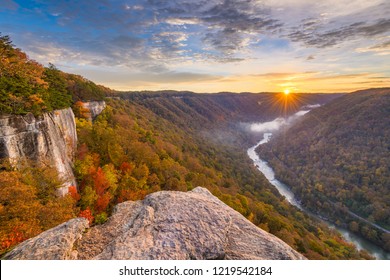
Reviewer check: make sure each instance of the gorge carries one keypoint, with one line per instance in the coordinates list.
(264, 167)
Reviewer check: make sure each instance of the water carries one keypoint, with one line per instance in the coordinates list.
(284, 190)
(269, 173)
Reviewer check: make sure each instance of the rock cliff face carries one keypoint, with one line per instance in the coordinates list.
(50, 139)
(165, 225)
(95, 108)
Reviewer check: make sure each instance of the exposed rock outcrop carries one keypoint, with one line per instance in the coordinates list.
(94, 108)
(165, 225)
(54, 244)
(48, 139)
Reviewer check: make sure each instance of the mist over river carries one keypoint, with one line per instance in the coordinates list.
(267, 128)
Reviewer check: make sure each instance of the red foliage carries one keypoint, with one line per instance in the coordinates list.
(102, 203)
(87, 214)
(15, 237)
(126, 167)
(100, 182)
(73, 193)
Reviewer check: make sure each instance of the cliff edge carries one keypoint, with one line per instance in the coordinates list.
(165, 225)
(95, 108)
(48, 139)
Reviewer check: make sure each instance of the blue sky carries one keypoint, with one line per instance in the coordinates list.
(209, 45)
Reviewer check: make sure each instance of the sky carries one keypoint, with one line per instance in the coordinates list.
(209, 45)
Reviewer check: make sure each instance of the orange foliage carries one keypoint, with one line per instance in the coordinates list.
(87, 214)
(102, 203)
(126, 167)
(100, 181)
(15, 237)
(80, 111)
(73, 193)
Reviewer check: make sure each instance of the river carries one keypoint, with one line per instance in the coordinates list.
(284, 190)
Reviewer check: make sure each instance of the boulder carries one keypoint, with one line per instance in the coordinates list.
(167, 225)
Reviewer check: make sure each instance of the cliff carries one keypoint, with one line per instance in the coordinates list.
(48, 139)
(94, 108)
(165, 225)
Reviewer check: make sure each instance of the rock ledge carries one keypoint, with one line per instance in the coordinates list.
(165, 225)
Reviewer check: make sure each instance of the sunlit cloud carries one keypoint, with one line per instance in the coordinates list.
(209, 45)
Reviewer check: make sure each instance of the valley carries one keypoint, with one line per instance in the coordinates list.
(352, 147)
(285, 191)
(126, 146)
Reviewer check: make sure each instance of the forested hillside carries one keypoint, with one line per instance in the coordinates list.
(141, 144)
(196, 110)
(130, 151)
(27, 86)
(337, 161)
(219, 116)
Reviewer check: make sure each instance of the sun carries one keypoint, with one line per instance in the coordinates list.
(286, 101)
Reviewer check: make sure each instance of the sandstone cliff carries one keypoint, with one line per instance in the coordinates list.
(50, 139)
(165, 225)
(94, 108)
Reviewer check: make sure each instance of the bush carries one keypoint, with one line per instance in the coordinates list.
(101, 218)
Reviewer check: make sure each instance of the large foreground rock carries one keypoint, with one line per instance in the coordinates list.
(165, 225)
(54, 244)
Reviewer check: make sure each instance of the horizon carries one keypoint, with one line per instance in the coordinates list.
(234, 92)
(209, 46)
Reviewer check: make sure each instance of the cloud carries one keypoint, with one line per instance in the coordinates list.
(224, 30)
(233, 22)
(182, 21)
(290, 40)
(163, 77)
(337, 77)
(150, 31)
(333, 23)
(9, 5)
(227, 41)
(168, 45)
(310, 57)
(183, 77)
(380, 49)
(336, 36)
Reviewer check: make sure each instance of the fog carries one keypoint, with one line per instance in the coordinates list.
(268, 128)
(277, 123)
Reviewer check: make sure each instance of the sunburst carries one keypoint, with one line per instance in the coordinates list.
(286, 102)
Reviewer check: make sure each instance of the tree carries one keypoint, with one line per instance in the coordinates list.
(88, 215)
(22, 87)
(19, 212)
(72, 191)
(58, 96)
